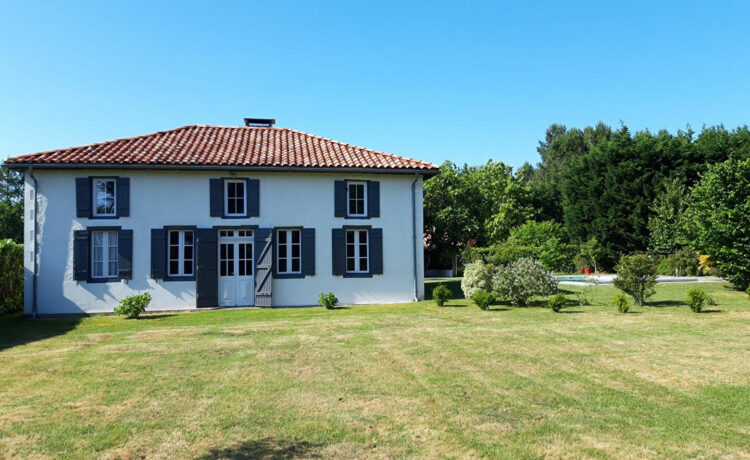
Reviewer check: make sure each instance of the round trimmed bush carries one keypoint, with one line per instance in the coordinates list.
(696, 300)
(622, 303)
(441, 294)
(483, 299)
(477, 277)
(557, 302)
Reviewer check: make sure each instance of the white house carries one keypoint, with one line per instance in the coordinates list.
(207, 216)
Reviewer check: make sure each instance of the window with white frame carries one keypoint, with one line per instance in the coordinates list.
(104, 197)
(180, 253)
(356, 203)
(104, 254)
(288, 251)
(357, 251)
(234, 198)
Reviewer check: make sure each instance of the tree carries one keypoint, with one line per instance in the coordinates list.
(636, 276)
(473, 206)
(546, 242)
(666, 225)
(11, 205)
(592, 251)
(719, 219)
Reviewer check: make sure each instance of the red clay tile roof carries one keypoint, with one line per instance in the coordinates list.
(200, 145)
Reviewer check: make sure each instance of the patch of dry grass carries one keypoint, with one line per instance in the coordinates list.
(383, 381)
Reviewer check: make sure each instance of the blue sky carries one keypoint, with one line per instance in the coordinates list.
(465, 81)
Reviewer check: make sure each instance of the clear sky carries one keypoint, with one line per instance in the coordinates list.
(465, 81)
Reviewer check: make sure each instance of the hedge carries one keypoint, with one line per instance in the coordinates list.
(11, 276)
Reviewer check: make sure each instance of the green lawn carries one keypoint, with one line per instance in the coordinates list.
(384, 381)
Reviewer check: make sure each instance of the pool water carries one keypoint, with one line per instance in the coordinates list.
(580, 279)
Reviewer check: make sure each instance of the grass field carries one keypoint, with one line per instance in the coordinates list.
(384, 381)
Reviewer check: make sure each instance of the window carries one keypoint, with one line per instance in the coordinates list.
(289, 251)
(104, 254)
(180, 253)
(356, 198)
(104, 197)
(356, 251)
(234, 198)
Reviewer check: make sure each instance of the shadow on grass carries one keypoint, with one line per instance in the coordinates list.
(157, 316)
(566, 291)
(340, 308)
(264, 448)
(712, 311)
(665, 303)
(571, 311)
(16, 330)
(500, 308)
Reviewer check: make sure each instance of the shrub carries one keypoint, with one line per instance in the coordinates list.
(519, 281)
(622, 303)
(133, 306)
(441, 294)
(483, 299)
(546, 242)
(477, 277)
(557, 302)
(683, 262)
(581, 263)
(636, 276)
(11, 276)
(329, 300)
(697, 299)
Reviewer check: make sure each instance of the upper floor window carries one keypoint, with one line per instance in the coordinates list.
(180, 254)
(357, 251)
(357, 198)
(288, 251)
(104, 197)
(234, 198)
(104, 254)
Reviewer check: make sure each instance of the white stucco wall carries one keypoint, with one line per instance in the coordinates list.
(161, 197)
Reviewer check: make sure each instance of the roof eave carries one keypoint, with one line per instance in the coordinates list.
(425, 172)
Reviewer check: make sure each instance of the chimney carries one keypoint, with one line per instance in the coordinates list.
(260, 122)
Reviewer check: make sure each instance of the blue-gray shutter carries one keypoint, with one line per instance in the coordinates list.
(308, 251)
(216, 196)
(338, 257)
(83, 197)
(81, 255)
(207, 280)
(158, 253)
(376, 251)
(253, 197)
(373, 198)
(125, 254)
(339, 198)
(122, 190)
(264, 267)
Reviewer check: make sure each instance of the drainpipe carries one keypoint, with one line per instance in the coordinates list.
(414, 231)
(34, 276)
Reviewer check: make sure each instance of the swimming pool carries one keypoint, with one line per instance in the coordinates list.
(579, 279)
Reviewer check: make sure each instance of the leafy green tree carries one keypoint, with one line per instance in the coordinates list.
(546, 242)
(591, 251)
(473, 206)
(636, 276)
(666, 225)
(11, 205)
(719, 219)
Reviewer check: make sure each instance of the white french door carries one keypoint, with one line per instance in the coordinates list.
(236, 281)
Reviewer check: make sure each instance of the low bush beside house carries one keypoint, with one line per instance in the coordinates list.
(557, 302)
(521, 280)
(483, 299)
(636, 276)
(697, 299)
(622, 303)
(329, 300)
(11, 276)
(441, 294)
(132, 307)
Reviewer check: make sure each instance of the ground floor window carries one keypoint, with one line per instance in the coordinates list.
(180, 254)
(357, 251)
(104, 254)
(288, 251)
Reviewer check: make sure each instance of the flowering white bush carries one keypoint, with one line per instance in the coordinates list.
(521, 280)
(477, 277)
